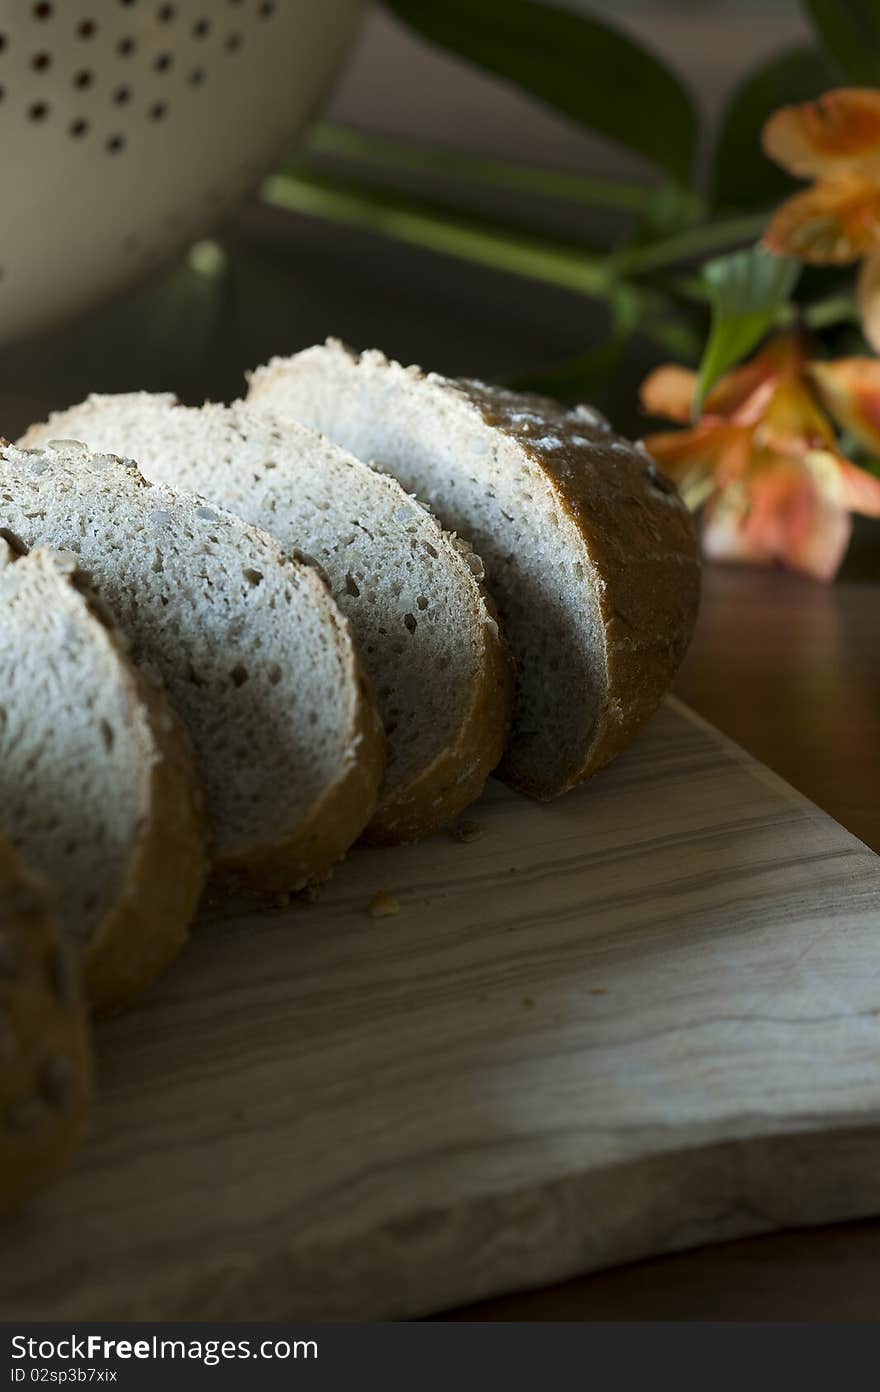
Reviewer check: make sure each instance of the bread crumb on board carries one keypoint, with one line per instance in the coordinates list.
(383, 905)
(466, 831)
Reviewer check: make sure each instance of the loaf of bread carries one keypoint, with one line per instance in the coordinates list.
(426, 631)
(254, 654)
(97, 786)
(589, 551)
(45, 1049)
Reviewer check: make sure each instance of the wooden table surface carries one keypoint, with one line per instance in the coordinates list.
(787, 667)
(791, 670)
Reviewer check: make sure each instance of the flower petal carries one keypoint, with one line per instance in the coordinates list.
(835, 222)
(869, 300)
(740, 394)
(839, 132)
(861, 490)
(743, 394)
(688, 458)
(779, 514)
(793, 420)
(709, 456)
(850, 389)
(724, 536)
(669, 391)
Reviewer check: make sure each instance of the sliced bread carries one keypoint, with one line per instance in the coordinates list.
(254, 654)
(426, 630)
(45, 1051)
(589, 551)
(97, 786)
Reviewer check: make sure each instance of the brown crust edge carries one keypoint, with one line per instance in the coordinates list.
(148, 926)
(457, 776)
(648, 598)
(58, 1022)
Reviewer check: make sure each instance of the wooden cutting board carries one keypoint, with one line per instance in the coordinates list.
(641, 1018)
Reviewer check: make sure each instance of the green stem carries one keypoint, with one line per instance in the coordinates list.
(470, 239)
(688, 245)
(836, 309)
(473, 239)
(345, 142)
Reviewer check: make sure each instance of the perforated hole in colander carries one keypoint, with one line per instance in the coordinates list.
(203, 29)
(171, 100)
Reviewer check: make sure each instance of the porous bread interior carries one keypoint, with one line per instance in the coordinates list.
(75, 745)
(249, 646)
(479, 480)
(407, 590)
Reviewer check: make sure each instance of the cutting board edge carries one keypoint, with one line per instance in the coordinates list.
(698, 1194)
(758, 769)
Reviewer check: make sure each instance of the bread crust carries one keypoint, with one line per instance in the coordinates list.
(637, 536)
(46, 1081)
(642, 542)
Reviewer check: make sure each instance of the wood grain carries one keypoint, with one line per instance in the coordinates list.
(641, 1018)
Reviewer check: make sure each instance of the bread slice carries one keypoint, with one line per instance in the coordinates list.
(255, 656)
(589, 551)
(45, 1050)
(97, 786)
(425, 629)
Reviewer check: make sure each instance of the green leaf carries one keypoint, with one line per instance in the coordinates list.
(747, 289)
(849, 31)
(742, 176)
(577, 64)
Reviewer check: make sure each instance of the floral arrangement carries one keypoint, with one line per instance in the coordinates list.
(745, 281)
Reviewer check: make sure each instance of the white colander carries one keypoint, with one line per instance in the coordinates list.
(127, 126)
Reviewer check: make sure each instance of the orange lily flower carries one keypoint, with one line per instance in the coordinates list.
(836, 142)
(763, 459)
